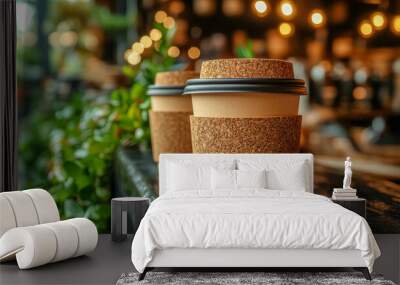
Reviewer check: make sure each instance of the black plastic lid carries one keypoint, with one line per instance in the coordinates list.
(228, 85)
(155, 90)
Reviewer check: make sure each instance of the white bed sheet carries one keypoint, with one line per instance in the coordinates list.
(250, 218)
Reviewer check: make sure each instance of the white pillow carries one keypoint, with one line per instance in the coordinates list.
(284, 174)
(293, 178)
(193, 174)
(227, 179)
(223, 179)
(251, 178)
(181, 178)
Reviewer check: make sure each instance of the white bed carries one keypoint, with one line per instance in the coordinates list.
(248, 227)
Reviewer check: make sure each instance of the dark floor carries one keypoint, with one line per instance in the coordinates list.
(103, 266)
(111, 259)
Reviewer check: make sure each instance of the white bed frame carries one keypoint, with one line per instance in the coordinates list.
(250, 258)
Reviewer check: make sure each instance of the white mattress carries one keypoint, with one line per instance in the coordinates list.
(253, 219)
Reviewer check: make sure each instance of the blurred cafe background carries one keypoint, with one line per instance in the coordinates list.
(84, 66)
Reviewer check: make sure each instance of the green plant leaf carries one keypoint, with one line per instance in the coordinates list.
(59, 192)
(129, 72)
(103, 193)
(100, 214)
(245, 51)
(72, 209)
(76, 172)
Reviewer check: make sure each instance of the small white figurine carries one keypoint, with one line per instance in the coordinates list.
(347, 173)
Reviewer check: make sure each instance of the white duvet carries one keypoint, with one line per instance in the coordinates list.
(250, 219)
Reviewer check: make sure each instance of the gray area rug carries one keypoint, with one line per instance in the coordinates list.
(229, 278)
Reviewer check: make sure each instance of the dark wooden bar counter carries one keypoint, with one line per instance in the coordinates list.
(382, 195)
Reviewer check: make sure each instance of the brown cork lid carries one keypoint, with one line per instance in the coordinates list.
(247, 68)
(174, 78)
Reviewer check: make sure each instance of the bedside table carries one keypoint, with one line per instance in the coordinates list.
(357, 205)
(126, 214)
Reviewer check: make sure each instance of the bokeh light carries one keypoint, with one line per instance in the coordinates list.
(169, 22)
(127, 53)
(138, 47)
(176, 7)
(286, 29)
(366, 29)
(261, 7)
(360, 93)
(194, 53)
(286, 9)
(317, 18)
(173, 51)
(160, 16)
(146, 41)
(379, 21)
(155, 35)
(395, 25)
(134, 58)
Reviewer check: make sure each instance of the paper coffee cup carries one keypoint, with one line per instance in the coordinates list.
(170, 112)
(249, 98)
(166, 93)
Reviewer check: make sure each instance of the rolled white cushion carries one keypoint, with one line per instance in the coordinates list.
(23, 208)
(7, 218)
(87, 235)
(40, 244)
(33, 246)
(66, 238)
(45, 205)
